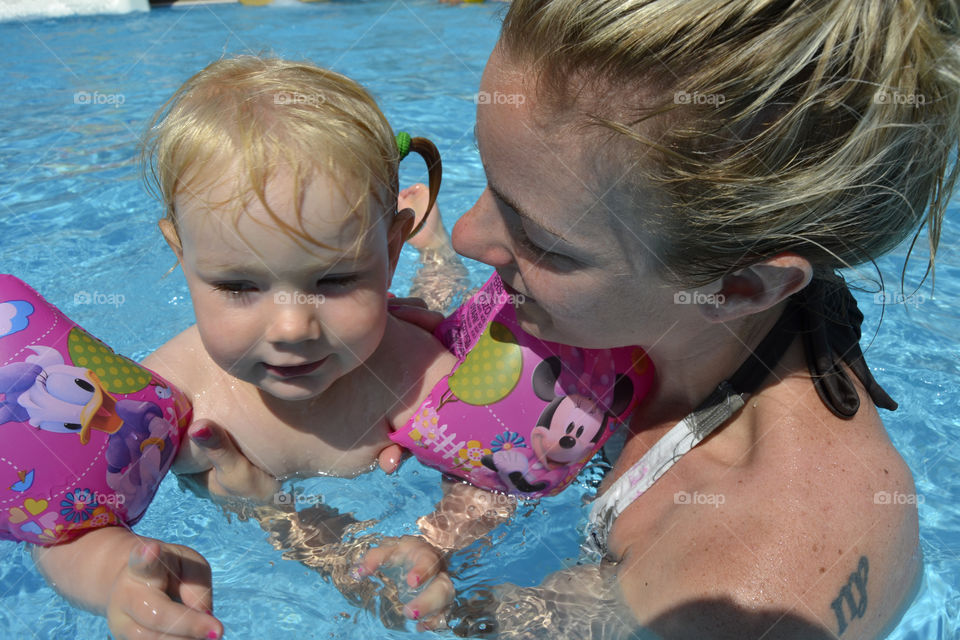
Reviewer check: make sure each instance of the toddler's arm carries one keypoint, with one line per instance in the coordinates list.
(464, 514)
(143, 587)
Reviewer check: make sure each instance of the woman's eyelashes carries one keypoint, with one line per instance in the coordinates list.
(539, 252)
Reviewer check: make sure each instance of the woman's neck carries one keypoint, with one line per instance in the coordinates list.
(696, 360)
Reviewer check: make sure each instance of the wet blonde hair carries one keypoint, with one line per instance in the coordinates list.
(267, 115)
(822, 127)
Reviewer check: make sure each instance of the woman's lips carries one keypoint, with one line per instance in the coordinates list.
(517, 297)
(294, 370)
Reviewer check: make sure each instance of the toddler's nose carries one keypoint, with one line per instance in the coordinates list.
(293, 320)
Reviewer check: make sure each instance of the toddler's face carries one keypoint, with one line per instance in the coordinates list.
(276, 311)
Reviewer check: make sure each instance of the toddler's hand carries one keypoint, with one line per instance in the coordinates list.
(390, 458)
(164, 591)
(232, 474)
(424, 565)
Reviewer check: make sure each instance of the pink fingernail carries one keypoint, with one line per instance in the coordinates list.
(202, 434)
(416, 580)
(416, 613)
(213, 635)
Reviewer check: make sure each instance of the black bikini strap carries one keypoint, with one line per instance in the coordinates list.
(825, 313)
(831, 330)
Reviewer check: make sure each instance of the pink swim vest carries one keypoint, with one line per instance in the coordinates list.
(518, 414)
(87, 434)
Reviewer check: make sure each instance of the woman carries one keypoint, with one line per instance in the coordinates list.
(688, 176)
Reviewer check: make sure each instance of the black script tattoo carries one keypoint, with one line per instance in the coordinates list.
(856, 603)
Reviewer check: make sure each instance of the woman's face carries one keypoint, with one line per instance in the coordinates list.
(559, 224)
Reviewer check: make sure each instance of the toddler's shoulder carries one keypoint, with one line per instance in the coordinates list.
(182, 360)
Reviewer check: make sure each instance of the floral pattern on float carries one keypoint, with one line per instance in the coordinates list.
(87, 434)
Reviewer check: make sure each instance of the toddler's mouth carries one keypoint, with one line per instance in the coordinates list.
(292, 371)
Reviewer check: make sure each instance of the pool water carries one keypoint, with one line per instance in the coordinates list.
(76, 223)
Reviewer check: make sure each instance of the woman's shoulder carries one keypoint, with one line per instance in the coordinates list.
(792, 512)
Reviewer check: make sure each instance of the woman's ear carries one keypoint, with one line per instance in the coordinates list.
(397, 234)
(171, 236)
(754, 289)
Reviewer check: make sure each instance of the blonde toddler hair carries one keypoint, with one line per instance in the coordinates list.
(268, 114)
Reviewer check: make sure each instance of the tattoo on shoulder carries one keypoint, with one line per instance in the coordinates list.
(854, 595)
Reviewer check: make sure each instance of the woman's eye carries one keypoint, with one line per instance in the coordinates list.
(537, 251)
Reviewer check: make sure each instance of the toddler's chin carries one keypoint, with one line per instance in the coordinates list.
(293, 390)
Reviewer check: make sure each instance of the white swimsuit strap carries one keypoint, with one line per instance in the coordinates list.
(683, 437)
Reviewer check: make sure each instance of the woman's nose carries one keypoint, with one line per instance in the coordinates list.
(294, 318)
(481, 234)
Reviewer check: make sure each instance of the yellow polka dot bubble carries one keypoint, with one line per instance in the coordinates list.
(491, 369)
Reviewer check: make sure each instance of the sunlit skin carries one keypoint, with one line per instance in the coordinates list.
(559, 225)
(293, 337)
(287, 317)
(561, 228)
(294, 365)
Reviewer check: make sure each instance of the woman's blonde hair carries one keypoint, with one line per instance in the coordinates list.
(267, 114)
(822, 127)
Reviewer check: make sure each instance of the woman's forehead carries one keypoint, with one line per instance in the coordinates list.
(572, 177)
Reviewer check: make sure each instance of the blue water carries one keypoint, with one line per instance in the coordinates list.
(74, 219)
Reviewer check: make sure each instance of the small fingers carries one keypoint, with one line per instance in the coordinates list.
(233, 473)
(374, 559)
(423, 562)
(140, 611)
(169, 625)
(146, 565)
(389, 459)
(419, 316)
(418, 303)
(195, 588)
(432, 602)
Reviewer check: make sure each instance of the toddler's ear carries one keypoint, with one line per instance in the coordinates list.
(171, 236)
(400, 228)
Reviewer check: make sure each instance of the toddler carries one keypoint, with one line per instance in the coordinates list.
(280, 186)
